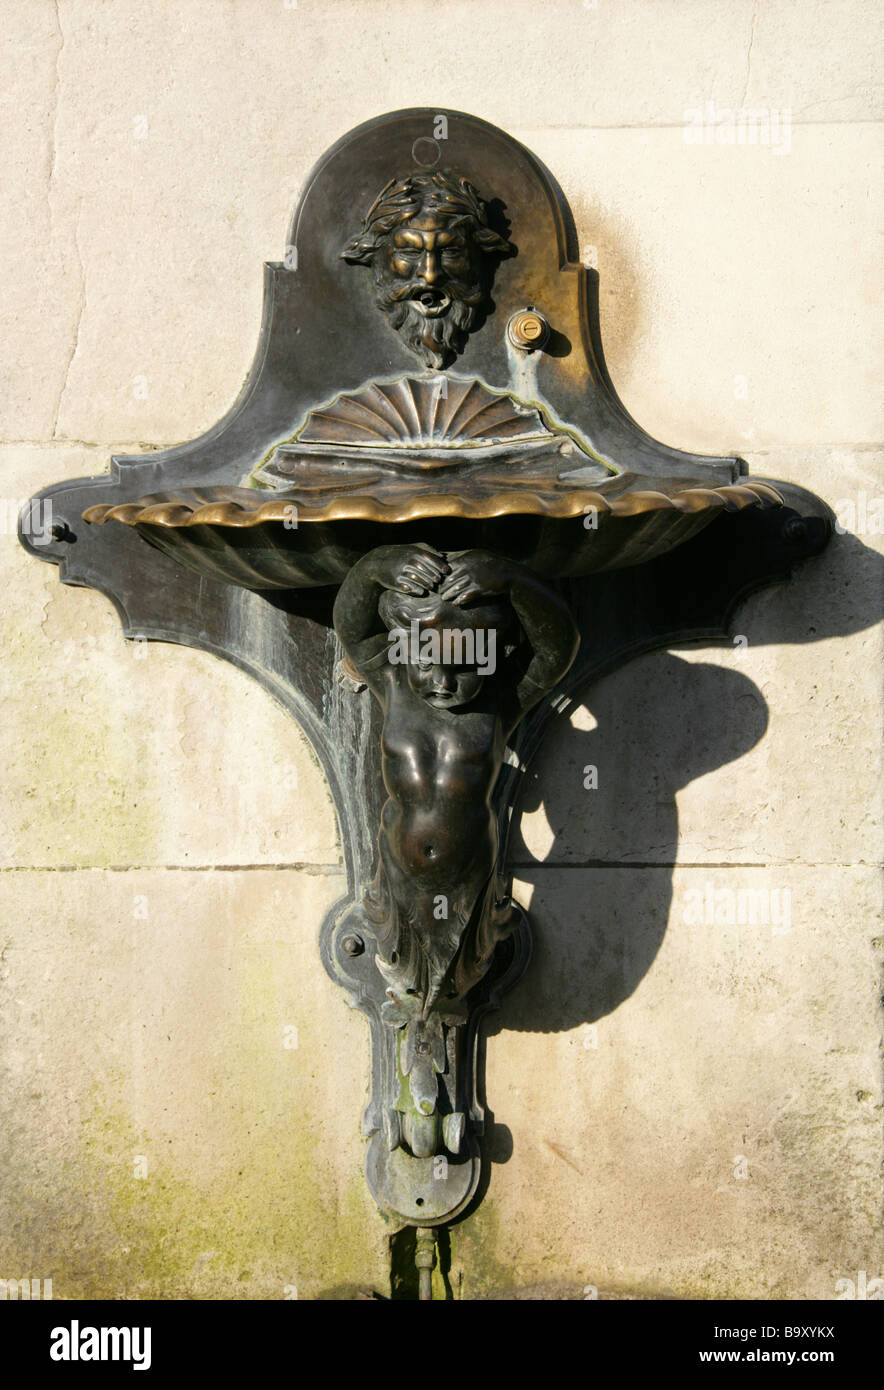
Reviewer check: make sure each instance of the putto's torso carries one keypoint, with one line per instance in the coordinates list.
(439, 768)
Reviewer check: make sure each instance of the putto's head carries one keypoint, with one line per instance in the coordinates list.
(433, 254)
(444, 684)
(447, 651)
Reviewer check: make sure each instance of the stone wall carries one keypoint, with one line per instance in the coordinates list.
(687, 1085)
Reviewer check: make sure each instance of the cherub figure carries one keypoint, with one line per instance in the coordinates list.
(437, 905)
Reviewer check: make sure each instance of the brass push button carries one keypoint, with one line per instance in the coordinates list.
(527, 330)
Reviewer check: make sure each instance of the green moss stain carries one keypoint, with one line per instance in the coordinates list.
(80, 788)
(268, 1229)
(482, 1265)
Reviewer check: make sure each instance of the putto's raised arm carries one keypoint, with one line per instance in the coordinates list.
(407, 569)
(549, 633)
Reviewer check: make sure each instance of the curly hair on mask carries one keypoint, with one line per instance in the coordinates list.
(401, 199)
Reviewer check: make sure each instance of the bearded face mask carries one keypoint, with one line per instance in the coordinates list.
(433, 256)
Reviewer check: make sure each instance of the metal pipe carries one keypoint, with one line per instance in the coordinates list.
(425, 1259)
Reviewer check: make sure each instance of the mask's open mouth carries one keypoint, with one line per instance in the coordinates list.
(429, 302)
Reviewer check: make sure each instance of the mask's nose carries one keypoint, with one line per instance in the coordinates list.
(428, 267)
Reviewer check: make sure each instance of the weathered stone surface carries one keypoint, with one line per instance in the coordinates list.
(635, 1070)
(736, 308)
(180, 1026)
(136, 753)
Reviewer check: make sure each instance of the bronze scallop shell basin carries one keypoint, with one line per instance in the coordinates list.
(400, 462)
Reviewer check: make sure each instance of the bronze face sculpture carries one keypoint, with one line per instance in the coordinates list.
(433, 253)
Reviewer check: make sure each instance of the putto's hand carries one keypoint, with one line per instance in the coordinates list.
(476, 574)
(413, 569)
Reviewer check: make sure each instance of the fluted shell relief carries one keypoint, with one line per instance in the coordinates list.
(412, 413)
(419, 424)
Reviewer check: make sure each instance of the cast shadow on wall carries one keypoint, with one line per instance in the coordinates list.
(660, 723)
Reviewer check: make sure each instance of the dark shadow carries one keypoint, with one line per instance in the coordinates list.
(315, 604)
(659, 724)
(403, 1274)
(557, 345)
(588, 960)
(495, 213)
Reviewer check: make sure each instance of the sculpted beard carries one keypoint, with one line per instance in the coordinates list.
(435, 331)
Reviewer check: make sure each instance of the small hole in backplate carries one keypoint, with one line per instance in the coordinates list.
(418, 1201)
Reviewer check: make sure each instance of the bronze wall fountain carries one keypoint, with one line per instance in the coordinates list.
(425, 525)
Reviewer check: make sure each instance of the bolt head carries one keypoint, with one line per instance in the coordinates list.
(352, 945)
